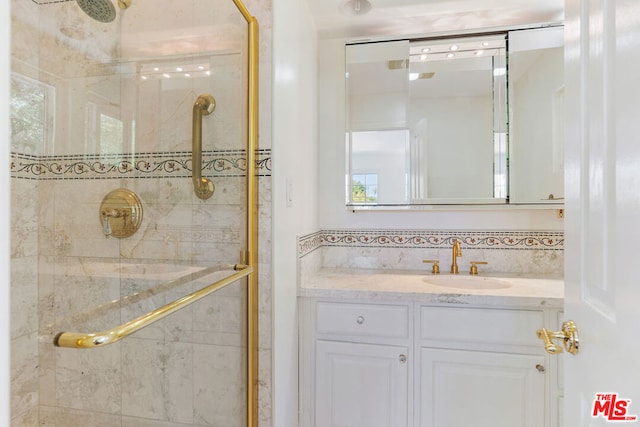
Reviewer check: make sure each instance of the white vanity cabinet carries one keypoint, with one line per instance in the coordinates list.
(369, 364)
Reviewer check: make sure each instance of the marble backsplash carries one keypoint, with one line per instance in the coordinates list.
(517, 252)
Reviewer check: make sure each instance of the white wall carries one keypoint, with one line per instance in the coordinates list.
(332, 212)
(4, 218)
(294, 182)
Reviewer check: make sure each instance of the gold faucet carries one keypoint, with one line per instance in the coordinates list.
(457, 251)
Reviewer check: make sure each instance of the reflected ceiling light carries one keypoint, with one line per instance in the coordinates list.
(450, 55)
(426, 49)
(420, 76)
(166, 76)
(485, 44)
(355, 7)
(478, 52)
(178, 69)
(423, 57)
(454, 47)
(398, 64)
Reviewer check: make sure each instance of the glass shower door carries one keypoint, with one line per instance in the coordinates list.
(101, 106)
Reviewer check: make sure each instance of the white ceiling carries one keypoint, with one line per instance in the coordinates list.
(419, 17)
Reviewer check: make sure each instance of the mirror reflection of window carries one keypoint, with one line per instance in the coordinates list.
(107, 133)
(500, 162)
(111, 133)
(31, 115)
(379, 159)
(364, 188)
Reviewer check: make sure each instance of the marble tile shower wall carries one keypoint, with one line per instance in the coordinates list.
(24, 303)
(187, 370)
(518, 252)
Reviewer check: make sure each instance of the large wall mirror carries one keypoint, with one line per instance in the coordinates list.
(427, 120)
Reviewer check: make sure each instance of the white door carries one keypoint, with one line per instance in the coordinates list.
(602, 162)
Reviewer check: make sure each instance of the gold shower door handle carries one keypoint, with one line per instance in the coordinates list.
(568, 336)
(204, 105)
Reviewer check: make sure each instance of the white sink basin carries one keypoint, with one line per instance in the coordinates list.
(461, 281)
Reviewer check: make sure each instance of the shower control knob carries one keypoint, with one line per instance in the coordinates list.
(360, 320)
(403, 358)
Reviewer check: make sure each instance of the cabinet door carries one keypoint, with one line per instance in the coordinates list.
(536, 105)
(461, 388)
(361, 385)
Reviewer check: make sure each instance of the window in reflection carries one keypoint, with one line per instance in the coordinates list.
(111, 132)
(364, 188)
(382, 157)
(32, 115)
(107, 133)
(500, 165)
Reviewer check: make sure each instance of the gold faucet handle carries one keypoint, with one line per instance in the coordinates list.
(436, 267)
(474, 267)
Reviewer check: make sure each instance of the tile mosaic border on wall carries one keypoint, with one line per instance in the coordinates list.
(41, 2)
(138, 165)
(518, 240)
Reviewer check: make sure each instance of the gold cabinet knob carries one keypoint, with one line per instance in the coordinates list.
(474, 267)
(436, 266)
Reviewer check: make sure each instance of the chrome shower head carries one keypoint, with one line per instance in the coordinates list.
(101, 10)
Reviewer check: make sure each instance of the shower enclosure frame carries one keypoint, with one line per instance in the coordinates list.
(248, 257)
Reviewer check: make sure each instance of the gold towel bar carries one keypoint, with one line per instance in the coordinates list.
(100, 339)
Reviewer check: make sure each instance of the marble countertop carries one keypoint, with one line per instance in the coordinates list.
(389, 285)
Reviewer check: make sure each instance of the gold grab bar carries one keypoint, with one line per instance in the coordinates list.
(204, 105)
(100, 339)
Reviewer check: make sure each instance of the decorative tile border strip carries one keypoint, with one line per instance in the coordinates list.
(140, 165)
(519, 240)
(309, 243)
(41, 2)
